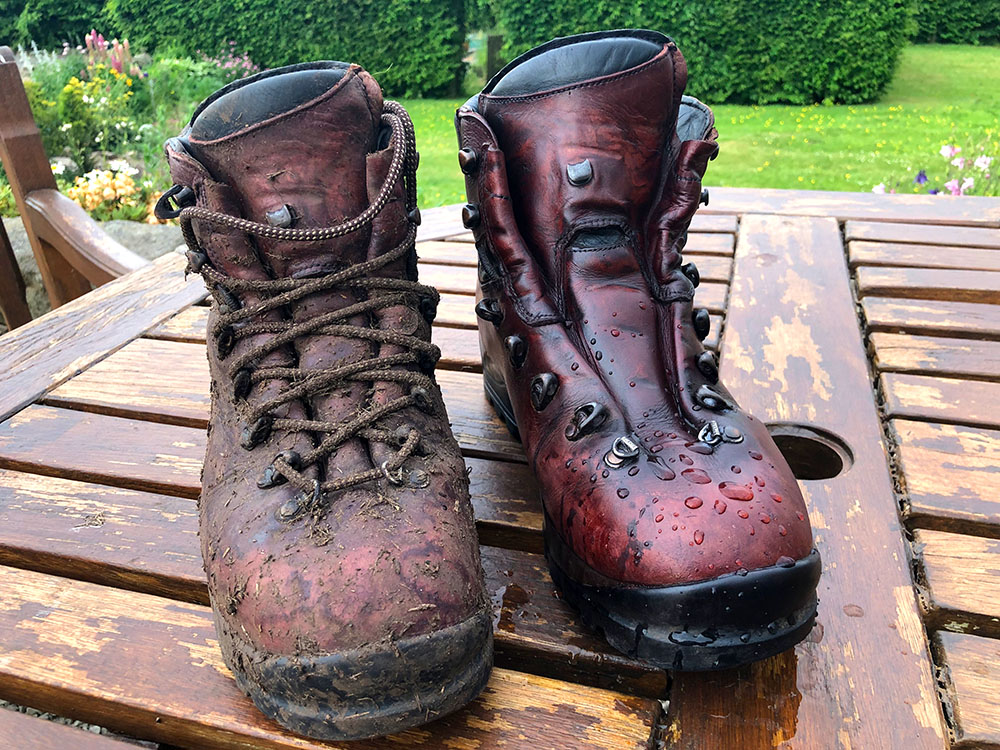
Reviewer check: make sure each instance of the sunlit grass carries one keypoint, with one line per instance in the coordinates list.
(940, 94)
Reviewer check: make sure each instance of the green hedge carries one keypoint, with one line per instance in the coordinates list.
(413, 47)
(49, 23)
(746, 51)
(958, 21)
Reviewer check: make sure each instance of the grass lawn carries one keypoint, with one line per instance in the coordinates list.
(940, 94)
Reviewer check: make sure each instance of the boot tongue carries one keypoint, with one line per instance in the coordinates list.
(293, 146)
(584, 127)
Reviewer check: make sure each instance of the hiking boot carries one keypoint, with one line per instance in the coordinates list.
(336, 527)
(672, 522)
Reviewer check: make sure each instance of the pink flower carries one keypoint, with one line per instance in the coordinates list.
(879, 189)
(953, 187)
(959, 162)
(948, 151)
(983, 162)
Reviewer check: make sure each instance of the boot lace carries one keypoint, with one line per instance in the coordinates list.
(236, 322)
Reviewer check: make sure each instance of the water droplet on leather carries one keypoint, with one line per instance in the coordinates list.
(755, 456)
(736, 491)
(615, 332)
(776, 497)
(703, 449)
(743, 514)
(699, 537)
(736, 469)
(614, 315)
(696, 476)
(604, 473)
(686, 459)
(785, 562)
(575, 366)
(593, 341)
(764, 518)
(631, 384)
(782, 530)
(759, 481)
(656, 449)
(642, 305)
(693, 502)
(598, 356)
(622, 493)
(801, 516)
(633, 471)
(662, 472)
(659, 518)
(752, 531)
(720, 506)
(593, 477)
(673, 527)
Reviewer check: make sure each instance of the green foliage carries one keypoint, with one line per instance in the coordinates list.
(9, 12)
(958, 21)
(413, 47)
(50, 23)
(795, 51)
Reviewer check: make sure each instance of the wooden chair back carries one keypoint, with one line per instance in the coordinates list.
(73, 253)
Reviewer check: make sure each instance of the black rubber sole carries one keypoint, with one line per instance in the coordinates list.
(715, 624)
(373, 691)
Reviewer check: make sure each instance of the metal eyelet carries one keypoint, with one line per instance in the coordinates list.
(702, 323)
(242, 383)
(625, 449)
(517, 350)
(272, 477)
(580, 173)
(428, 308)
(711, 398)
(708, 365)
(543, 389)
(225, 340)
(471, 216)
(468, 160)
(691, 271)
(710, 433)
(196, 260)
(422, 398)
(586, 419)
(255, 434)
(489, 309)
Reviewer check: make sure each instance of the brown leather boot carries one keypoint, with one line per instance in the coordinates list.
(336, 527)
(671, 520)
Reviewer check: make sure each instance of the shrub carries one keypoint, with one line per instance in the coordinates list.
(9, 12)
(413, 47)
(745, 51)
(51, 23)
(958, 21)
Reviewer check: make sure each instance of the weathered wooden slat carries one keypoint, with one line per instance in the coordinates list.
(23, 732)
(930, 283)
(932, 355)
(457, 279)
(122, 386)
(973, 669)
(43, 353)
(933, 317)
(440, 222)
(970, 402)
(167, 459)
(923, 233)
(702, 222)
(962, 577)
(912, 209)
(147, 542)
(922, 256)
(150, 667)
(950, 474)
(791, 354)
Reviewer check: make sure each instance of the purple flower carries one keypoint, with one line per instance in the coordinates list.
(921, 178)
(933, 191)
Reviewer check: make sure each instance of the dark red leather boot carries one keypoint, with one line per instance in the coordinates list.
(672, 522)
(336, 527)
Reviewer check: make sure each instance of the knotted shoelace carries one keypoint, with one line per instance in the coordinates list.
(236, 322)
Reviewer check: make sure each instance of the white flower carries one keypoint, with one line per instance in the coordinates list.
(948, 151)
(880, 188)
(967, 184)
(65, 126)
(58, 168)
(983, 162)
(959, 162)
(122, 167)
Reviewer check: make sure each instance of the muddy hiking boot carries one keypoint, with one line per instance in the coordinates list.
(336, 527)
(672, 522)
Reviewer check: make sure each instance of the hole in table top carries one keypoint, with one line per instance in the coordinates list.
(811, 453)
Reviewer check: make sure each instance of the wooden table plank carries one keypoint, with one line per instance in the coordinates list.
(150, 667)
(48, 350)
(933, 355)
(933, 399)
(948, 284)
(792, 353)
(167, 459)
(924, 233)
(148, 543)
(973, 665)
(951, 476)
(844, 206)
(962, 578)
(933, 317)
(922, 256)
(35, 733)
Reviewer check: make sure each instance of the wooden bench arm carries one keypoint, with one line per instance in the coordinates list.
(69, 229)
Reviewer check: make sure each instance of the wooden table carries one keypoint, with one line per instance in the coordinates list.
(865, 328)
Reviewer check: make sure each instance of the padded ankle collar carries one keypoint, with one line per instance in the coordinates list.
(572, 59)
(251, 100)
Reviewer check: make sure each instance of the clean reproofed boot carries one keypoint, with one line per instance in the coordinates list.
(336, 527)
(672, 521)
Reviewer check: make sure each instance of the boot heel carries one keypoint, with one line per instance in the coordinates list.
(496, 394)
